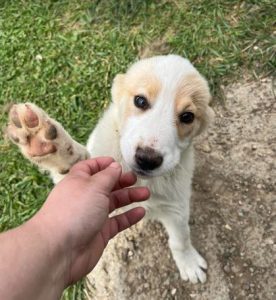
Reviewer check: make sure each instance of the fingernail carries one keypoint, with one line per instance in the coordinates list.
(115, 165)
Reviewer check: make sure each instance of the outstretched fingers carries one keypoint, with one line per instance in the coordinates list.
(90, 167)
(111, 177)
(127, 196)
(118, 223)
(126, 180)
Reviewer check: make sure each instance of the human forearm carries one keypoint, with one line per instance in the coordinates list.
(32, 267)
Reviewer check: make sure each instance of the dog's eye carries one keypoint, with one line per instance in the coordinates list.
(187, 117)
(141, 102)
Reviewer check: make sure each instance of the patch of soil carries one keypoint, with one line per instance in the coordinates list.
(233, 217)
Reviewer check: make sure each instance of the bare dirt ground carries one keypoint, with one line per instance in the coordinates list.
(232, 220)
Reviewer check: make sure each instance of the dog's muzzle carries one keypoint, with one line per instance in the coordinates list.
(147, 159)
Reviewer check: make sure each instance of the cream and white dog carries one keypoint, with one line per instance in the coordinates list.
(157, 108)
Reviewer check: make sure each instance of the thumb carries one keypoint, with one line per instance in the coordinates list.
(107, 178)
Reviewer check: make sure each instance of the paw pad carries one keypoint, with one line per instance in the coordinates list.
(32, 130)
(51, 132)
(30, 118)
(15, 118)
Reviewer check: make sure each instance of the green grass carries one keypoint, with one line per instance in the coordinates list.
(62, 55)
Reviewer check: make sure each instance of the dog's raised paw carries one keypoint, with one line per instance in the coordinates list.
(43, 140)
(32, 130)
(192, 266)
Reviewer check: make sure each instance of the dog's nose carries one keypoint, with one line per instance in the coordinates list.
(148, 159)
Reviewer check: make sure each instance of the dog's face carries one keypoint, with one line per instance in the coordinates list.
(162, 103)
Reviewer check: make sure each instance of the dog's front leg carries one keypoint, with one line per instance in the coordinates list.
(189, 262)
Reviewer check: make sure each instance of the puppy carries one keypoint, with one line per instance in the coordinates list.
(158, 106)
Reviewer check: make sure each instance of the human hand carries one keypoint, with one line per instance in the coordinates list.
(76, 214)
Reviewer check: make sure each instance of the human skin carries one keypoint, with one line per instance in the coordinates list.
(65, 239)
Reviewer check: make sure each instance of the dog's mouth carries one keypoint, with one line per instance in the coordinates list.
(142, 173)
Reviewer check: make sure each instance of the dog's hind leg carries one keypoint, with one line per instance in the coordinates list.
(189, 262)
(43, 140)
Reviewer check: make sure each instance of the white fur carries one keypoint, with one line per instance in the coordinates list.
(171, 185)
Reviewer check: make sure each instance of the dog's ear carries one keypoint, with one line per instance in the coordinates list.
(207, 119)
(201, 97)
(118, 87)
